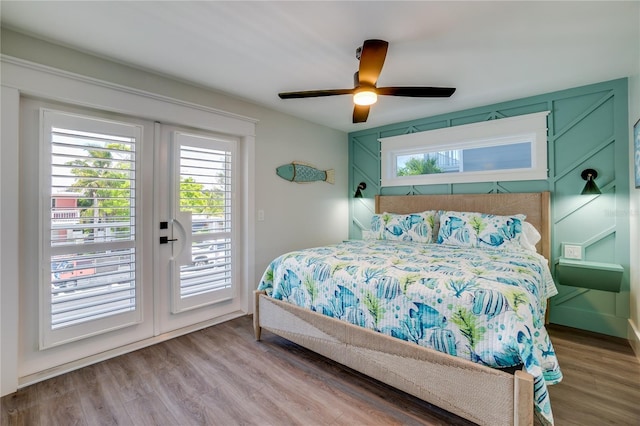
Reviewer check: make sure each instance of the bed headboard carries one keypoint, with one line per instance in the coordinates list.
(535, 205)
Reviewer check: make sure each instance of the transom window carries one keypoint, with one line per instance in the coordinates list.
(506, 149)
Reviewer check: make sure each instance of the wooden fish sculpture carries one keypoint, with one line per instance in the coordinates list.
(304, 173)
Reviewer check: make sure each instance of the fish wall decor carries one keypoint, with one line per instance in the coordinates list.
(300, 172)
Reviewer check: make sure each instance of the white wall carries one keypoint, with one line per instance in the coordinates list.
(296, 215)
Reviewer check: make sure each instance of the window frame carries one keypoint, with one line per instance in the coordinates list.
(524, 128)
(229, 145)
(50, 336)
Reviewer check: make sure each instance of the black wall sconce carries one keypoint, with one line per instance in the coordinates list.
(590, 187)
(361, 187)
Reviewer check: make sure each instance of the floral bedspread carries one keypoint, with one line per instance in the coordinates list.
(484, 305)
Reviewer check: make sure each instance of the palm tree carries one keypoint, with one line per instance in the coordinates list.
(105, 184)
(419, 166)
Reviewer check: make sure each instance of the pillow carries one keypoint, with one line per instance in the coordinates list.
(530, 235)
(370, 235)
(469, 229)
(416, 227)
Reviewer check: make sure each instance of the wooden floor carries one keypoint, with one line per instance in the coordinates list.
(601, 384)
(222, 376)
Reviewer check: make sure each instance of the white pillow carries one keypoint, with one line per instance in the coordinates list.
(531, 236)
(369, 235)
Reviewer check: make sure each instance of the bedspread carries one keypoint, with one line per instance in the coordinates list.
(484, 305)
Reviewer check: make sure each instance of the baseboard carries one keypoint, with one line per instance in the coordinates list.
(634, 338)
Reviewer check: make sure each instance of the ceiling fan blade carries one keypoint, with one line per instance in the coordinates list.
(314, 93)
(360, 113)
(417, 91)
(371, 60)
(372, 55)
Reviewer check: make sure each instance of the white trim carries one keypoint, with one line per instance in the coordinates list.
(9, 325)
(524, 128)
(31, 78)
(158, 216)
(246, 277)
(16, 71)
(633, 335)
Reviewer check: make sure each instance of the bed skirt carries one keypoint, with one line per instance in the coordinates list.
(477, 393)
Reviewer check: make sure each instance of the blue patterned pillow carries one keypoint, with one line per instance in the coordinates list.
(470, 229)
(416, 227)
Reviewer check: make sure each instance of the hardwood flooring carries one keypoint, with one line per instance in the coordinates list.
(601, 383)
(222, 376)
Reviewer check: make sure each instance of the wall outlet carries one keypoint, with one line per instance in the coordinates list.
(572, 251)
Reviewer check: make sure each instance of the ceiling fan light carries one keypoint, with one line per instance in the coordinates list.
(365, 97)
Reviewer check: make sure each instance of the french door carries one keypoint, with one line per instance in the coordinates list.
(137, 234)
(197, 223)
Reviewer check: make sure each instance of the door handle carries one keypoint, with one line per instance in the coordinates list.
(181, 227)
(165, 240)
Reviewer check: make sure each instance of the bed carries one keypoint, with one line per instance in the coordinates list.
(434, 301)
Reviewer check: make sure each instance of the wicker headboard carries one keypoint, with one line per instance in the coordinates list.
(535, 205)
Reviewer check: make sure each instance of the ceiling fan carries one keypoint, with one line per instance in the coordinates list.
(371, 55)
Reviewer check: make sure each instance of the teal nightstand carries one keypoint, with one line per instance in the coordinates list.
(587, 274)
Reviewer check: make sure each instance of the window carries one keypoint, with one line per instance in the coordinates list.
(205, 188)
(506, 149)
(90, 230)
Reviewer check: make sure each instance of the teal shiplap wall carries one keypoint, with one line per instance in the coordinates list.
(587, 128)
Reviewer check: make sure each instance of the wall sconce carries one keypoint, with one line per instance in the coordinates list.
(590, 187)
(361, 187)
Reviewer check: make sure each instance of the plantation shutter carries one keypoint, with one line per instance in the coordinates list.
(204, 184)
(90, 280)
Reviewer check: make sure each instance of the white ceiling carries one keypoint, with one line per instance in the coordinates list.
(489, 51)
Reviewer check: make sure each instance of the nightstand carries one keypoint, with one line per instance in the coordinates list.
(588, 274)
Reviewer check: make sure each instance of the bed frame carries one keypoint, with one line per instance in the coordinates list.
(453, 384)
